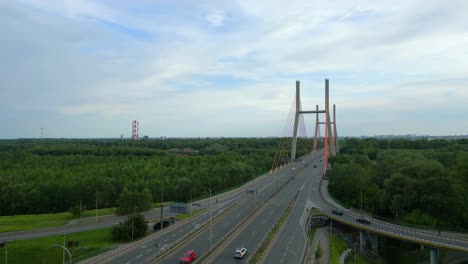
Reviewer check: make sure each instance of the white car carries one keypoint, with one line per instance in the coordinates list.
(293, 169)
(240, 252)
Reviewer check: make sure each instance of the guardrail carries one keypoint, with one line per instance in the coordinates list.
(177, 244)
(403, 228)
(256, 211)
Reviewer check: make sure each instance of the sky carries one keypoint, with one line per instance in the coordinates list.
(86, 69)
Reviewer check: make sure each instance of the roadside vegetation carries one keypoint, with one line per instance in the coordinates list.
(55, 175)
(414, 182)
(27, 222)
(41, 250)
(337, 246)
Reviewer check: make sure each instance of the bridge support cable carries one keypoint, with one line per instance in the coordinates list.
(282, 143)
(335, 134)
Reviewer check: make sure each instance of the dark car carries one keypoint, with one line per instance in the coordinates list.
(188, 257)
(363, 220)
(337, 211)
(315, 166)
(252, 190)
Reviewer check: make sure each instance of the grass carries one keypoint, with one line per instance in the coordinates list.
(337, 246)
(188, 215)
(27, 222)
(360, 259)
(40, 250)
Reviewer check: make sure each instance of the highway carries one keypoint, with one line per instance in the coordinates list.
(146, 250)
(254, 233)
(292, 242)
(202, 243)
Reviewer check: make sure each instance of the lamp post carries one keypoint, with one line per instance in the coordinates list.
(211, 221)
(68, 251)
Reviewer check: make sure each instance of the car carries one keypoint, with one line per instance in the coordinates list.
(315, 166)
(337, 211)
(188, 257)
(302, 162)
(293, 169)
(240, 252)
(252, 190)
(363, 220)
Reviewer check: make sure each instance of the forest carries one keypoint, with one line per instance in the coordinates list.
(53, 175)
(417, 182)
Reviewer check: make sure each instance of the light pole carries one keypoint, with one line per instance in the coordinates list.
(68, 251)
(211, 222)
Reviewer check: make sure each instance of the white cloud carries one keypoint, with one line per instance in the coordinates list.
(233, 64)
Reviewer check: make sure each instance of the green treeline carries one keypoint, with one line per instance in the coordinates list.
(53, 175)
(423, 182)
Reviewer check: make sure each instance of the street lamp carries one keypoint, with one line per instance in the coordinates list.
(211, 221)
(4, 243)
(68, 251)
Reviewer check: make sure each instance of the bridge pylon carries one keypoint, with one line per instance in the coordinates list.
(331, 146)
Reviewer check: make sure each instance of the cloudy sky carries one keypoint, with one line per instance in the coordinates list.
(228, 68)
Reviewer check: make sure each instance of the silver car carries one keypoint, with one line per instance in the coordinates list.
(240, 252)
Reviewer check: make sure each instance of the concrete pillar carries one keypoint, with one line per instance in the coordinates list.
(296, 121)
(327, 109)
(434, 256)
(317, 126)
(362, 240)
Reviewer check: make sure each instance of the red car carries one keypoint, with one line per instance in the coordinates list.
(188, 257)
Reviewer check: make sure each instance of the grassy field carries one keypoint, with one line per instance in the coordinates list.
(41, 250)
(27, 222)
(188, 215)
(337, 246)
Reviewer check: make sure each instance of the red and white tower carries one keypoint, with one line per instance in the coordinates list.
(135, 129)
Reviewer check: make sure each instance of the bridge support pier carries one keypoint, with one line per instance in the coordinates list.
(434, 253)
(368, 242)
(362, 240)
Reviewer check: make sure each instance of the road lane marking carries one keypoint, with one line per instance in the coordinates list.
(139, 256)
(149, 250)
(128, 262)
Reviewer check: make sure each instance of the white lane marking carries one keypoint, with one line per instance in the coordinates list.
(253, 234)
(226, 225)
(144, 246)
(139, 256)
(149, 250)
(128, 262)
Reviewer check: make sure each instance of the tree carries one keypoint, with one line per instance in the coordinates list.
(134, 227)
(134, 199)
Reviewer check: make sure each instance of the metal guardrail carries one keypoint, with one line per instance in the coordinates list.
(401, 236)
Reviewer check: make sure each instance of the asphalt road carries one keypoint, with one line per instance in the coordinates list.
(202, 242)
(252, 236)
(154, 245)
(292, 241)
(103, 222)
